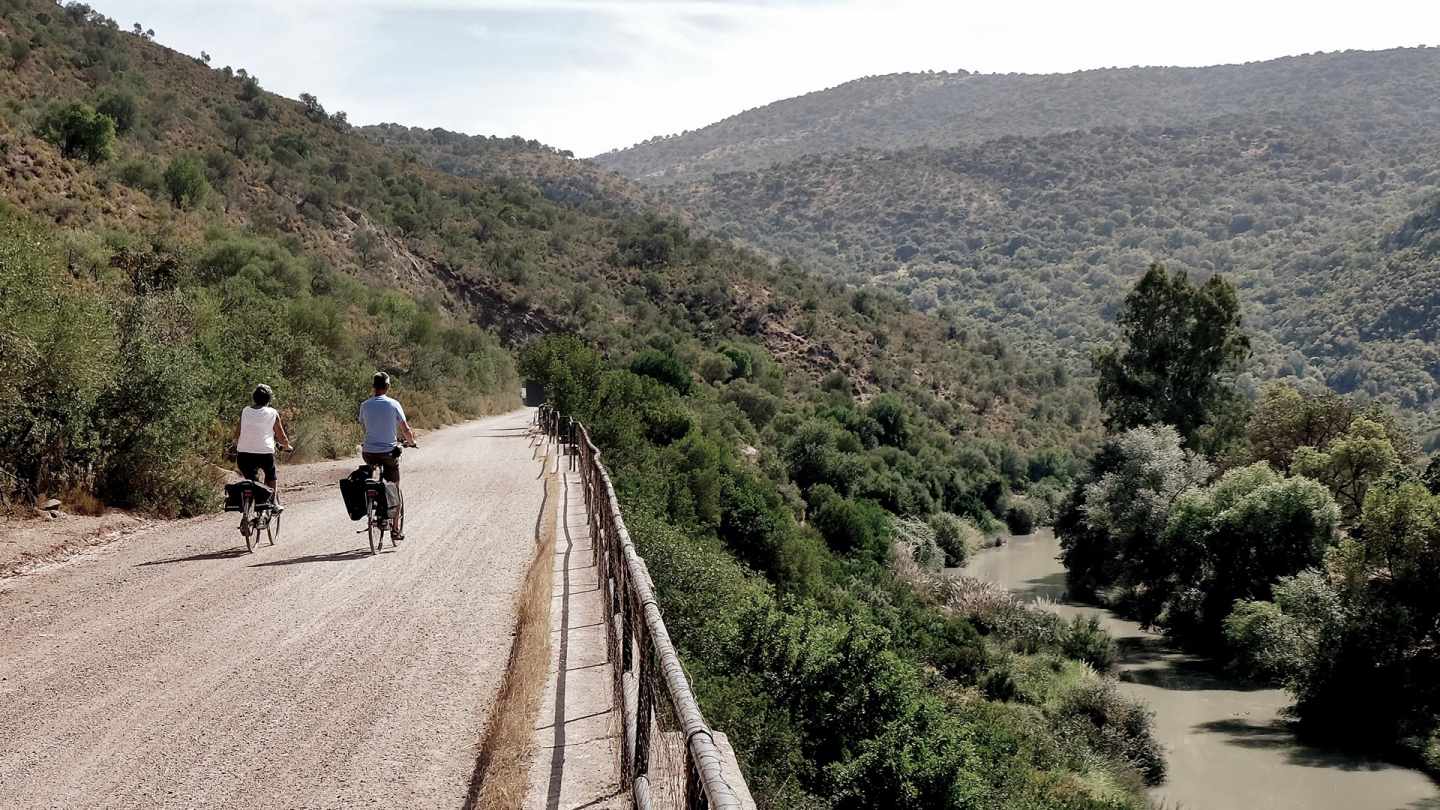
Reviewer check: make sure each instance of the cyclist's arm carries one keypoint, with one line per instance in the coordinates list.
(405, 431)
(280, 433)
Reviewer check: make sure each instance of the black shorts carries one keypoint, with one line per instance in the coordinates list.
(252, 463)
(389, 464)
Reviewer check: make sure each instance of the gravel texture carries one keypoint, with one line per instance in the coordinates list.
(175, 670)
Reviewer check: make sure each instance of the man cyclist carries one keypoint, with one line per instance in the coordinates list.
(384, 423)
(255, 440)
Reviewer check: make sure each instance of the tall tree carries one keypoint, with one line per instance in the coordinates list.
(1180, 344)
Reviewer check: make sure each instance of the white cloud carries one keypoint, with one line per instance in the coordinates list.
(595, 74)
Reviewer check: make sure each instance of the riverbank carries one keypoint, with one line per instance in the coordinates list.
(1228, 743)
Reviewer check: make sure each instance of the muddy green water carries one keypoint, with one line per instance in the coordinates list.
(1227, 744)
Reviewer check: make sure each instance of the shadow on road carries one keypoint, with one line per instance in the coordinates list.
(334, 556)
(227, 554)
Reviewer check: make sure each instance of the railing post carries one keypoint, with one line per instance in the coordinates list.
(644, 711)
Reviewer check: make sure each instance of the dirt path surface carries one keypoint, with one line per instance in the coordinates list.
(174, 670)
(1228, 744)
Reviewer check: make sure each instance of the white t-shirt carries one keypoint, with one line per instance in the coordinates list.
(257, 430)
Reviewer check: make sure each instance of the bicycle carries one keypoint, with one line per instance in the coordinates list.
(255, 516)
(378, 519)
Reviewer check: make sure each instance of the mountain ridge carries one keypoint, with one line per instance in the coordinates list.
(905, 110)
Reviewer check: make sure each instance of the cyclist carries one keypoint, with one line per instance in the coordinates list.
(384, 423)
(255, 439)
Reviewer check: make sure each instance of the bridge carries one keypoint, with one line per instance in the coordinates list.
(509, 654)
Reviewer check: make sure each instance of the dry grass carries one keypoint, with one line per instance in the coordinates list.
(78, 501)
(501, 774)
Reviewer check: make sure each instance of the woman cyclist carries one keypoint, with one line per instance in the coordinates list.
(255, 440)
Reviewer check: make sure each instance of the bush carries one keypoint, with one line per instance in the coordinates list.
(955, 537)
(853, 526)
(141, 175)
(19, 52)
(1094, 711)
(1020, 518)
(758, 405)
(664, 367)
(122, 108)
(185, 181)
(79, 131)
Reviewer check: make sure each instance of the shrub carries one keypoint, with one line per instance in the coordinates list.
(79, 131)
(853, 526)
(1093, 710)
(662, 366)
(955, 537)
(141, 175)
(122, 109)
(758, 405)
(185, 181)
(1020, 517)
(19, 52)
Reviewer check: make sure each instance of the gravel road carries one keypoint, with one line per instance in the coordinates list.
(173, 670)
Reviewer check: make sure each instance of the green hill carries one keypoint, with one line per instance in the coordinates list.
(909, 110)
(788, 448)
(1295, 191)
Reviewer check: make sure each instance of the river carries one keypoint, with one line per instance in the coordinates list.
(1227, 743)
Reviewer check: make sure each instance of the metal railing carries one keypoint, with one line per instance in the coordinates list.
(646, 664)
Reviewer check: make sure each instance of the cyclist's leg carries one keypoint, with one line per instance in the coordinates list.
(267, 464)
(392, 475)
(249, 465)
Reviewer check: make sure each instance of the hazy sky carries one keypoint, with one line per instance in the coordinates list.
(591, 75)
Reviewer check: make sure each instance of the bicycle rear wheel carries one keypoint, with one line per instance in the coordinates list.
(377, 535)
(248, 526)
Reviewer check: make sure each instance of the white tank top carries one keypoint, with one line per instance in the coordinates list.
(257, 430)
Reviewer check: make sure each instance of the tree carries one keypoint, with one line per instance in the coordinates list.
(1350, 463)
(239, 129)
(122, 109)
(313, 109)
(1286, 419)
(185, 181)
(1112, 522)
(367, 245)
(79, 131)
(1179, 345)
(249, 86)
(662, 366)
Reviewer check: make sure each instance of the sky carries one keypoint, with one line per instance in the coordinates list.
(593, 75)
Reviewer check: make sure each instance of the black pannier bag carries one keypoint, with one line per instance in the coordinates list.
(387, 497)
(234, 491)
(352, 490)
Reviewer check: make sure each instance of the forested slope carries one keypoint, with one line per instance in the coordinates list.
(908, 110)
(1300, 178)
(790, 450)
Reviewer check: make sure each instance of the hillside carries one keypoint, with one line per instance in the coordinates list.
(789, 450)
(1309, 201)
(533, 243)
(909, 110)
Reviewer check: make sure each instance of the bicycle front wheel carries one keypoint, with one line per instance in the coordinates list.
(272, 526)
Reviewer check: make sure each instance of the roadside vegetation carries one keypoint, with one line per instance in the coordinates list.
(126, 375)
(789, 541)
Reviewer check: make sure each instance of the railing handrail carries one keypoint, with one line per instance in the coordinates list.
(629, 590)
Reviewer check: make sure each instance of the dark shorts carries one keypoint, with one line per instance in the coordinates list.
(252, 463)
(389, 465)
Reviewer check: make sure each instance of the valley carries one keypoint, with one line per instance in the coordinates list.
(1170, 330)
